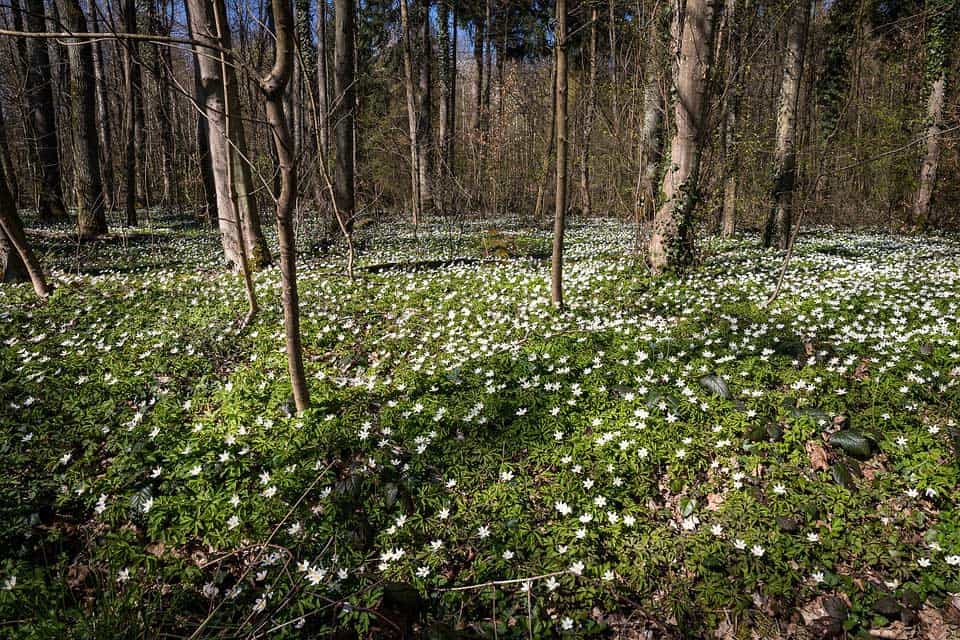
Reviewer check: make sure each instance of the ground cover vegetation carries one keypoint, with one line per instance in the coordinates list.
(662, 455)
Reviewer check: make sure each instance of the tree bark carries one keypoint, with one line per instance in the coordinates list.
(273, 89)
(672, 241)
(132, 102)
(6, 161)
(780, 219)
(44, 116)
(588, 118)
(476, 121)
(323, 106)
(560, 208)
(444, 123)
(88, 185)
(203, 137)
(424, 110)
(232, 176)
(931, 159)
(13, 240)
(344, 108)
(731, 115)
(105, 128)
(411, 93)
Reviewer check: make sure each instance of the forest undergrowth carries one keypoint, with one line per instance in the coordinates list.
(662, 457)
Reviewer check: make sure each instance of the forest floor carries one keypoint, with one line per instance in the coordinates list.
(663, 459)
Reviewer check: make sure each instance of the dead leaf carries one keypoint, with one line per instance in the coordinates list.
(714, 500)
(156, 549)
(931, 621)
(895, 631)
(818, 456)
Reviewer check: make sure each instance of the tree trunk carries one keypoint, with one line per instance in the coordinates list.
(672, 240)
(445, 129)
(161, 66)
(6, 161)
(424, 111)
(232, 179)
(91, 216)
(273, 89)
(477, 116)
(323, 106)
(780, 219)
(105, 128)
(588, 119)
(651, 142)
(131, 99)
(344, 76)
(410, 89)
(16, 257)
(40, 95)
(204, 158)
(731, 114)
(542, 180)
(931, 159)
(560, 209)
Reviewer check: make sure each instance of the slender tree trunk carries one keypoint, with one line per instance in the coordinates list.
(344, 78)
(131, 98)
(411, 91)
(931, 159)
(451, 151)
(780, 220)
(14, 240)
(273, 89)
(651, 142)
(444, 104)
(731, 114)
(560, 209)
(204, 158)
(161, 64)
(672, 240)
(588, 119)
(323, 106)
(476, 121)
(543, 179)
(91, 216)
(40, 95)
(105, 128)
(12, 268)
(424, 109)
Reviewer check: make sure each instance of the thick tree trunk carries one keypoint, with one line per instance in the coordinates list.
(411, 93)
(14, 241)
(931, 159)
(424, 110)
(273, 89)
(6, 161)
(780, 220)
(203, 137)
(232, 177)
(39, 89)
(91, 215)
(672, 241)
(105, 128)
(345, 105)
(560, 208)
(131, 99)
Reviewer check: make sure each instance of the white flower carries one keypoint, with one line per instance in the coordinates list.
(9, 583)
(146, 505)
(123, 576)
(739, 544)
(233, 522)
(483, 531)
(552, 583)
(953, 561)
(813, 536)
(779, 489)
(608, 575)
(563, 508)
(757, 550)
(443, 514)
(567, 624)
(924, 562)
(818, 577)
(315, 575)
(577, 568)
(717, 530)
(506, 476)
(210, 591)
(270, 491)
(435, 545)
(507, 555)
(423, 571)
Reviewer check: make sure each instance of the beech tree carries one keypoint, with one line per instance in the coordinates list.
(672, 241)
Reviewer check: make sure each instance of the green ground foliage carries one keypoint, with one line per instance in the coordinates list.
(661, 455)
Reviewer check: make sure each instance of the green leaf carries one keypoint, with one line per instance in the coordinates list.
(852, 442)
(717, 385)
